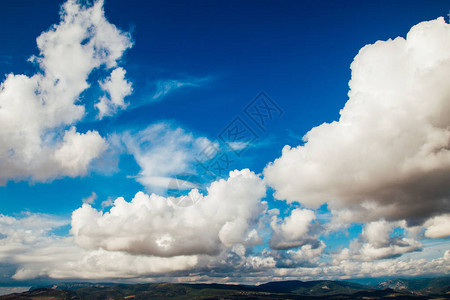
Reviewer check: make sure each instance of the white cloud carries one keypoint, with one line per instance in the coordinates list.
(153, 225)
(33, 143)
(78, 150)
(388, 155)
(117, 88)
(36, 224)
(378, 242)
(307, 256)
(377, 233)
(295, 230)
(307, 253)
(164, 87)
(29, 248)
(107, 203)
(383, 268)
(236, 146)
(91, 199)
(100, 264)
(438, 227)
(163, 152)
(29, 245)
(21, 236)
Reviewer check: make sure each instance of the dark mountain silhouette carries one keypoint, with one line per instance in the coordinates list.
(427, 288)
(314, 288)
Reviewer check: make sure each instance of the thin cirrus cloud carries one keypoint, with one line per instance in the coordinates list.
(165, 87)
(41, 142)
(388, 156)
(160, 89)
(163, 151)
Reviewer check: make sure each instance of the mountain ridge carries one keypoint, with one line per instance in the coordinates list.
(396, 288)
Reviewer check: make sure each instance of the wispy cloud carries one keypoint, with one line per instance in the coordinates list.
(91, 199)
(165, 87)
(163, 151)
(236, 146)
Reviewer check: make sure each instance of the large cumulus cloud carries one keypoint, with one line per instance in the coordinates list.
(388, 156)
(37, 112)
(154, 225)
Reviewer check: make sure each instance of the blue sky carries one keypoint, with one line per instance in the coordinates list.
(175, 78)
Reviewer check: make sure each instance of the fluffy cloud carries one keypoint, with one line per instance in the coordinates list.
(28, 245)
(295, 230)
(388, 155)
(77, 151)
(438, 227)
(117, 87)
(307, 256)
(377, 241)
(154, 225)
(35, 142)
(29, 249)
(163, 152)
(37, 224)
(21, 236)
(376, 269)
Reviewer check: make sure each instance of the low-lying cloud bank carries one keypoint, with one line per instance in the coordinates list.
(212, 240)
(30, 250)
(388, 156)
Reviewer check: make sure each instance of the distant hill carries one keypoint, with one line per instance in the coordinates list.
(72, 286)
(43, 293)
(315, 288)
(424, 286)
(320, 289)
